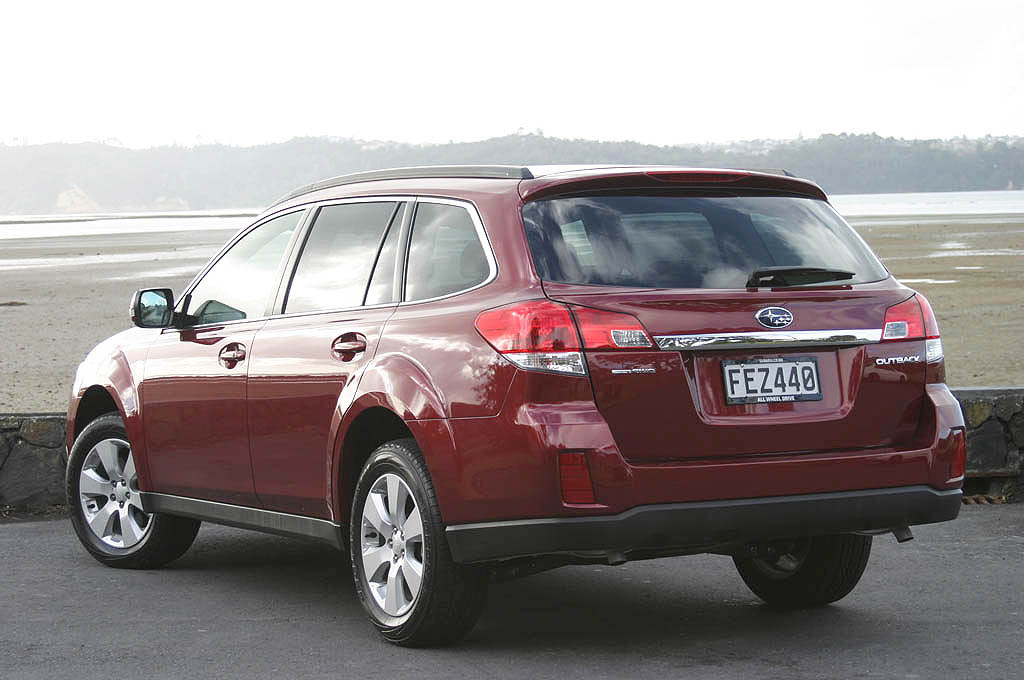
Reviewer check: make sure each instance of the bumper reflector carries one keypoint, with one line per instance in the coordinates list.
(575, 476)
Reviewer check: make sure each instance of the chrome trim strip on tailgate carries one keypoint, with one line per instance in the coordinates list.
(765, 339)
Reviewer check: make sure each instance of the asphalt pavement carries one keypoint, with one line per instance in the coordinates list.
(949, 604)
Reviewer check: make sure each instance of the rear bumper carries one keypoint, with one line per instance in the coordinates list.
(680, 526)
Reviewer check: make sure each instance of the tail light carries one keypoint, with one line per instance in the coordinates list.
(537, 335)
(610, 330)
(913, 319)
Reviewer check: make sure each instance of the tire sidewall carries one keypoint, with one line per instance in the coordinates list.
(105, 427)
(394, 458)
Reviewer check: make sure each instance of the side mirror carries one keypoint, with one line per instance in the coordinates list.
(153, 308)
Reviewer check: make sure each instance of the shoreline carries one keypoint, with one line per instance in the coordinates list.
(74, 286)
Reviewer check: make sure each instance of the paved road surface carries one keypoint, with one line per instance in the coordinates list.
(245, 605)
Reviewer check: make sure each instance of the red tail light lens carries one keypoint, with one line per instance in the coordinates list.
(610, 330)
(904, 321)
(536, 335)
(575, 477)
(913, 319)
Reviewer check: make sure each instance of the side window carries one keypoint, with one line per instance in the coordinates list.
(241, 282)
(382, 282)
(445, 254)
(335, 262)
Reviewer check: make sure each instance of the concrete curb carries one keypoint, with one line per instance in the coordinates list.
(32, 456)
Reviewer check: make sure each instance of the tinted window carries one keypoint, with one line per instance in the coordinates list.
(382, 282)
(689, 242)
(335, 262)
(445, 254)
(241, 283)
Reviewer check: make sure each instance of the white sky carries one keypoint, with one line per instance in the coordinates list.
(148, 73)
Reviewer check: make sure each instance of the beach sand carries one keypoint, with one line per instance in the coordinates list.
(971, 269)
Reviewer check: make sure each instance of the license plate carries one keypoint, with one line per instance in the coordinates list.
(763, 381)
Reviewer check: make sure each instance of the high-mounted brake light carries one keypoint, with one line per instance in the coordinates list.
(536, 335)
(913, 319)
(696, 177)
(610, 330)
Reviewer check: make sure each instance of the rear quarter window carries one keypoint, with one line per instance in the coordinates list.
(445, 252)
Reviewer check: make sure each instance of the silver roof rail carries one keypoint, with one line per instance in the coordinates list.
(423, 171)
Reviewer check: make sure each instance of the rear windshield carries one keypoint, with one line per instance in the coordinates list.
(688, 241)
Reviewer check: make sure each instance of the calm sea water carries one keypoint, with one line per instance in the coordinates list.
(854, 206)
(934, 203)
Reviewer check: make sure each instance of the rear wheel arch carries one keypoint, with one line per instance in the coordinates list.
(372, 427)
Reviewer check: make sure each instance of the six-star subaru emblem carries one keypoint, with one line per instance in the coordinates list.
(774, 317)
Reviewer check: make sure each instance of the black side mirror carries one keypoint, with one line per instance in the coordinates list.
(153, 308)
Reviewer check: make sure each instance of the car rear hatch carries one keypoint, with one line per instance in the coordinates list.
(752, 351)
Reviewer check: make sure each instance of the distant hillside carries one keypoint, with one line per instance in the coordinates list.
(69, 178)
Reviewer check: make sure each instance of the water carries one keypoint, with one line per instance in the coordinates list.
(859, 208)
(54, 226)
(966, 203)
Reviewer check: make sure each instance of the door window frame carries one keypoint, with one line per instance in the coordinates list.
(300, 228)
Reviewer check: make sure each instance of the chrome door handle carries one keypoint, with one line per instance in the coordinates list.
(231, 354)
(348, 346)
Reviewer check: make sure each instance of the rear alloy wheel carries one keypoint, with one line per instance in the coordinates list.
(102, 488)
(806, 572)
(413, 591)
(392, 545)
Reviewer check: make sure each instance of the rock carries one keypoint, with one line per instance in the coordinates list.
(976, 411)
(1005, 406)
(45, 431)
(986, 449)
(1016, 428)
(32, 478)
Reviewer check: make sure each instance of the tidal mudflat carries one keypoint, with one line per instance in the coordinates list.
(60, 295)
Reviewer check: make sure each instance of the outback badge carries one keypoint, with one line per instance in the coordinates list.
(774, 317)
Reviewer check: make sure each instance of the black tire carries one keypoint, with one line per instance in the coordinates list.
(451, 596)
(819, 571)
(166, 538)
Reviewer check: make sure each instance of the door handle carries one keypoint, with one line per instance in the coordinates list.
(348, 345)
(231, 354)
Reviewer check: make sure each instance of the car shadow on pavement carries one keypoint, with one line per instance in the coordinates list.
(690, 601)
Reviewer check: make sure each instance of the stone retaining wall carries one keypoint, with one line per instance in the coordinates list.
(32, 456)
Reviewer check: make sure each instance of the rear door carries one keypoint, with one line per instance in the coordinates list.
(302, 360)
(720, 382)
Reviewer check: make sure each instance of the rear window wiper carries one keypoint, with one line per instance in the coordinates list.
(795, 276)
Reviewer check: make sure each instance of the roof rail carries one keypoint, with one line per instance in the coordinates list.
(424, 171)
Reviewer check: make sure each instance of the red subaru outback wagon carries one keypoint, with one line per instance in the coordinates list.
(467, 373)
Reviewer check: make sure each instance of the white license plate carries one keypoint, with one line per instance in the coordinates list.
(762, 381)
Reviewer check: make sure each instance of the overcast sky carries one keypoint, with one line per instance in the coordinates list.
(147, 73)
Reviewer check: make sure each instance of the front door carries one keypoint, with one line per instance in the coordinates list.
(194, 387)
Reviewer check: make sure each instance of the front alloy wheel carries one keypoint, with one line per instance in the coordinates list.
(108, 489)
(102, 488)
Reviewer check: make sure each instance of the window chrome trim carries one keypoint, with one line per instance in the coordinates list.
(767, 339)
(481, 233)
